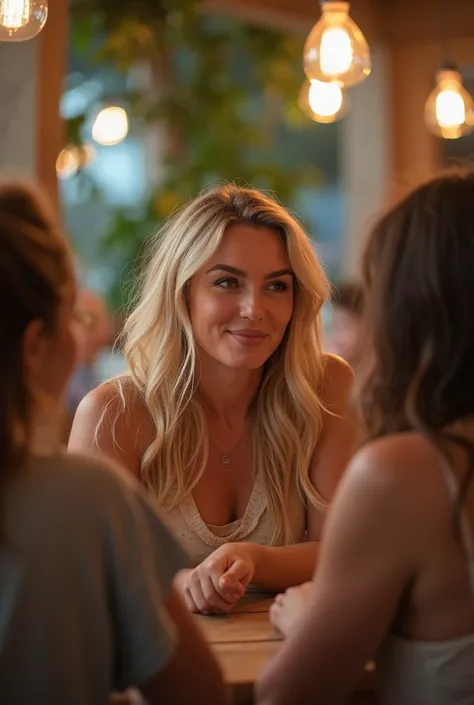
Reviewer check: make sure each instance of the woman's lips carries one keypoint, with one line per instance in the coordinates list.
(248, 337)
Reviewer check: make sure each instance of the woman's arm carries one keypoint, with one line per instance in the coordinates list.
(102, 424)
(277, 568)
(366, 561)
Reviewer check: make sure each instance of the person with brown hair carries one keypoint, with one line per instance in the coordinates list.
(86, 566)
(345, 335)
(396, 571)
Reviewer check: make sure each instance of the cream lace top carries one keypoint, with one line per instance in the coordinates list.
(199, 539)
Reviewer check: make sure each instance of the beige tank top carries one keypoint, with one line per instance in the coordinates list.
(430, 673)
(199, 539)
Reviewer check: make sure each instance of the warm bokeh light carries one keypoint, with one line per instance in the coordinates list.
(110, 126)
(323, 102)
(73, 158)
(325, 99)
(449, 109)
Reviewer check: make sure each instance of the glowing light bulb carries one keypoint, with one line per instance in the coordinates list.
(73, 158)
(110, 126)
(336, 52)
(449, 110)
(68, 162)
(323, 102)
(336, 49)
(21, 20)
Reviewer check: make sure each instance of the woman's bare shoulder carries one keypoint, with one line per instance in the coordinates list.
(337, 384)
(113, 419)
(336, 370)
(120, 394)
(406, 467)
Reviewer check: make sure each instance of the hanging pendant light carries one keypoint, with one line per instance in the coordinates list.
(323, 102)
(336, 49)
(21, 20)
(449, 110)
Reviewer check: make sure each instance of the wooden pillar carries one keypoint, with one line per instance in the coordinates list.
(415, 152)
(52, 68)
(31, 81)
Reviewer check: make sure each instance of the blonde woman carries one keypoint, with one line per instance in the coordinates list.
(230, 414)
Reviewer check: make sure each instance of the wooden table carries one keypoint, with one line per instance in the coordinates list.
(245, 640)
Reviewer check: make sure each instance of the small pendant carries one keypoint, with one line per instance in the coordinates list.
(225, 459)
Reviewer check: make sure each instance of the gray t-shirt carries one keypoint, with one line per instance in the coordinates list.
(85, 564)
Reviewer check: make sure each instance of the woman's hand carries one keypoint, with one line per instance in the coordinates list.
(219, 582)
(289, 606)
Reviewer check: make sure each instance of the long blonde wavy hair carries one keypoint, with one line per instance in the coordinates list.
(162, 357)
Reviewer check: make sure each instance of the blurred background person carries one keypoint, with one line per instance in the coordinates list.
(344, 333)
(94, 334)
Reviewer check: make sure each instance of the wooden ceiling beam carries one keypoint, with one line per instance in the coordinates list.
(395, 21)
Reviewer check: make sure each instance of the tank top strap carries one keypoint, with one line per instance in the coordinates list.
(466, 530)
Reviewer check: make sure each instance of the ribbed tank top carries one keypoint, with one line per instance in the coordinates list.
(430, 673)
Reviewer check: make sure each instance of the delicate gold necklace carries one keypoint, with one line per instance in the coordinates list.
(226, 458)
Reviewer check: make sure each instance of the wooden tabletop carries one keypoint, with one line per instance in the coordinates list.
(245, 640)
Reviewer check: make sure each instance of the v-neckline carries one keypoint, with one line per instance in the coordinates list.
(245, 525)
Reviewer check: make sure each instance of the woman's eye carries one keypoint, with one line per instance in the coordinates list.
(278, 286)
(226, 283)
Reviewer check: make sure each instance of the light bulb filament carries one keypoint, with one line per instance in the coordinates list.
(14, 13)
(336, 53)
(450, 109)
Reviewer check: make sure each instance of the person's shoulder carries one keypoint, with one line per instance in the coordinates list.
(396, 452)
(337, 370)
(401, 466)
(337, 382)
(116, 396)
(114, 418)
(94, 472)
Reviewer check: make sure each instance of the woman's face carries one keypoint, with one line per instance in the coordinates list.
(241, 300)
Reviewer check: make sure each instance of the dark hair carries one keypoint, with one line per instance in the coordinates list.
(350, 296)
(35, 267)
(419, 279)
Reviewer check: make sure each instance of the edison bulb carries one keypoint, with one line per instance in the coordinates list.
(323, 102)
(449, 110)
(336, 49)
(110, 126)
(21, 20)
(68, 162)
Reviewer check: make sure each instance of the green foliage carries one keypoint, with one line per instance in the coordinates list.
(220, 94)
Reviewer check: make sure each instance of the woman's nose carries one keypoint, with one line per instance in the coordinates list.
(252, 306)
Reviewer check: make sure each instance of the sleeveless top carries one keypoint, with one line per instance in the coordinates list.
(199, 540)
(430, 673)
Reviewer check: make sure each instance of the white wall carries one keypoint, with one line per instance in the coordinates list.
(365, 154)
(18, 108)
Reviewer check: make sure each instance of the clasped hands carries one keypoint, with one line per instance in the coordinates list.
(220, 581)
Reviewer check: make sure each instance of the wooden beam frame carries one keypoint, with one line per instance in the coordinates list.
(51, 72)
